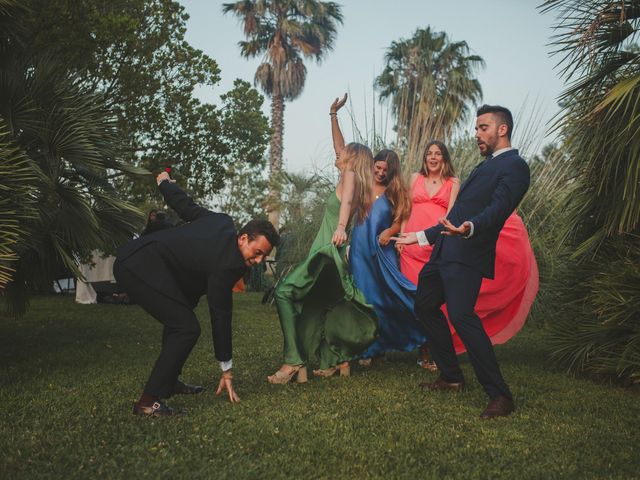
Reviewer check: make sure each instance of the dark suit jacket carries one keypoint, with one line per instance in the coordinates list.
(200, 256)
(490, 194)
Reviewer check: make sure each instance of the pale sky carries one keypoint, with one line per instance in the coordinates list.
(510, 35)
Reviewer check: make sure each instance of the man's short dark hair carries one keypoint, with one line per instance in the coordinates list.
(261, 227)
(503, 114)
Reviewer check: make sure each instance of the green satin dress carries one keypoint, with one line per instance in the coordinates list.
(322, 314)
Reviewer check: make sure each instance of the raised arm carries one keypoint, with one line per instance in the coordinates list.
(336, 133)
(346, 201)
(179, 201)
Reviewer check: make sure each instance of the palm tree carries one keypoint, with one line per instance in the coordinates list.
(431, 83)
(17, 174)
(598, 329)
(64, 144)
(283, 32)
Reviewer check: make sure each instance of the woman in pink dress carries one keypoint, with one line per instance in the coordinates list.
(433, 191)
(504, 302)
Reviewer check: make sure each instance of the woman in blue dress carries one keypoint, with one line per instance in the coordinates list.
(373, 259)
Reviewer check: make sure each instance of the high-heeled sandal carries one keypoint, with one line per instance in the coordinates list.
(365, 362)
(343, 368)
(280, 377)
(424, 361)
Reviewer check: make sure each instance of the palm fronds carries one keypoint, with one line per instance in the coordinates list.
(285, 32)
(598, 326)
(60, 147)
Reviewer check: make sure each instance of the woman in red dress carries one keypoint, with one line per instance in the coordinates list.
(504, 302)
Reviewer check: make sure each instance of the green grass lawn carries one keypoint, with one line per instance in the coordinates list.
(70, 374)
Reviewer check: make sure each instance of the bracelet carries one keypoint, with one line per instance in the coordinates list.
(333, 114)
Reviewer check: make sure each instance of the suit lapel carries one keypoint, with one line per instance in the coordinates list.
(471, 175)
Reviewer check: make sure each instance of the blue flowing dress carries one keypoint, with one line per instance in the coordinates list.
(377, 275)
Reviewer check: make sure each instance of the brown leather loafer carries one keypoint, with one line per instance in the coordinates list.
(441, 385)
(498, 407)
(181, 388)
(157, 409)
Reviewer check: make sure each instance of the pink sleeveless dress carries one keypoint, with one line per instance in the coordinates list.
(425, 212)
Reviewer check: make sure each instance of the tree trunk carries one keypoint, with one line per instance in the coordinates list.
(275, 159)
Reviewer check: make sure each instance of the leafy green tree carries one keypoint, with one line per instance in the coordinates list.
(431, 84)
(133, 52)
(598, 325)
(284, 31)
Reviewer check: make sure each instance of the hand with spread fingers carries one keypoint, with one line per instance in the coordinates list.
(226, 383)
(451, 230)
(407, 238)
(337, 104)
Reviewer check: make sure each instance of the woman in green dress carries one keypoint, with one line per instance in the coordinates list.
(322, 315)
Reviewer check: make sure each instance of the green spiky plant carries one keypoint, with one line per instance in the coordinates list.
(68, 139)
(597, 325)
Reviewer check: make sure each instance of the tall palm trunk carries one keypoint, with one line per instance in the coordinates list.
(275, 157)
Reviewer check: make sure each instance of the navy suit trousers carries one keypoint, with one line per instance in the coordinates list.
(458, 286)
(180, 333)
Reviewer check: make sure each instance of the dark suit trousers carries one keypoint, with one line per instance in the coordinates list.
(458, 286)
(180, 333)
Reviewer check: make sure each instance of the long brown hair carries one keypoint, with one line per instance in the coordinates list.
(446, 170)
(396, 191)
(361, 162)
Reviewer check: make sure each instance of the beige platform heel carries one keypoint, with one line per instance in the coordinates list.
(343, 368)
(280, 377)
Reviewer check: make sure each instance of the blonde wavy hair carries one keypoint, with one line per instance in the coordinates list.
(396, 190)
(360, 163)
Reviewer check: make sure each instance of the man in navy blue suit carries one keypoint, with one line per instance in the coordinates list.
(464, 252)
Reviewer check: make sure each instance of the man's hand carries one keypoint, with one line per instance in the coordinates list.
(451, 230)
(164, 176)
(406, 238)
(338, 104)
(226, 383)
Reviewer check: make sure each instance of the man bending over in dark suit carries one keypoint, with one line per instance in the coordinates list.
(167, 272)
(464, 252)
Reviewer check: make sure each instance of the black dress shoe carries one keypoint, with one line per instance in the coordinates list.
(181, 388)
(156, 409)
(441, 385)
(498, 407)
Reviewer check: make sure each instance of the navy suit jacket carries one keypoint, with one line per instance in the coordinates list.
(490, 194)
(200, 257)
